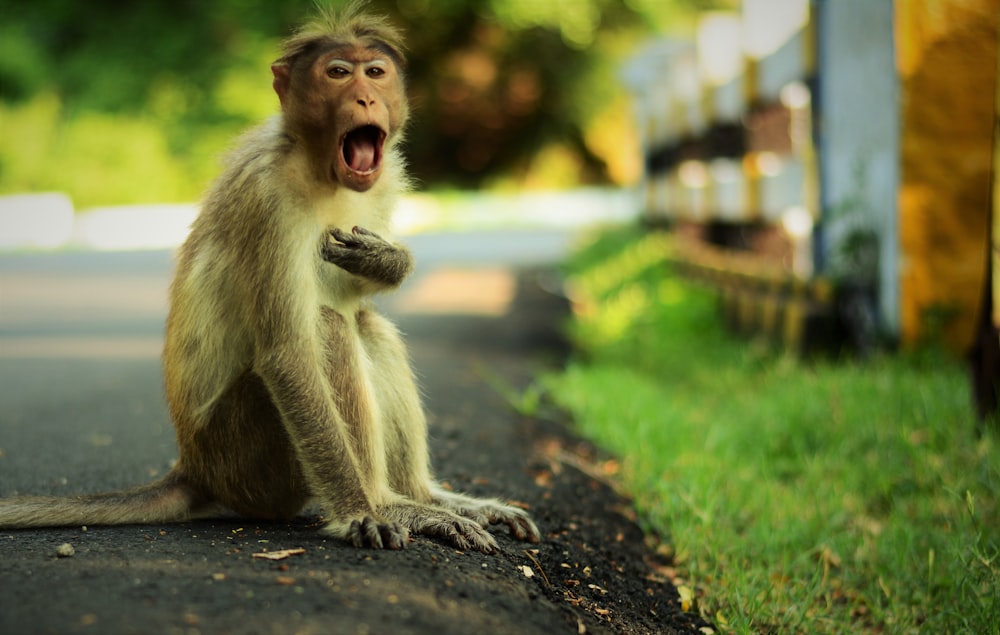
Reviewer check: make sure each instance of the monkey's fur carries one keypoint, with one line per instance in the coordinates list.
(284, 385)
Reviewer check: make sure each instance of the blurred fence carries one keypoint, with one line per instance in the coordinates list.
(796, 147)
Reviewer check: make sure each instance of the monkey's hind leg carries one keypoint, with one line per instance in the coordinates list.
(488, 511)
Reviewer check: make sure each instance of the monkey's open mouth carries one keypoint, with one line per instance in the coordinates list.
(362, 148)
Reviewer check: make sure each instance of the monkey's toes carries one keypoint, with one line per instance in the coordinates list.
(524, 529)
(370, 533)
(471, 536)
(518, 523)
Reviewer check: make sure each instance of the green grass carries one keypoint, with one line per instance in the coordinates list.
(798, 497)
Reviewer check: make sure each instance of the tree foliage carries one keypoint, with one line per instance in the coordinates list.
(493, 83)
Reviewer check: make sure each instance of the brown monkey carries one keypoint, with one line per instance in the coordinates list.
(284, 385)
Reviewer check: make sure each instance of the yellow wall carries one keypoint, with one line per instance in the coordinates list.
(996, 199)
(946, 51)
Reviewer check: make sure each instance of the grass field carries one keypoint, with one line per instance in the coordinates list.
(797, 497)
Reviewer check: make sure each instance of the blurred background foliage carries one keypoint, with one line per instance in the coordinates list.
(127, 102)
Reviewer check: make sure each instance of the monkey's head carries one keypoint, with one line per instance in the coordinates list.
(342, 92)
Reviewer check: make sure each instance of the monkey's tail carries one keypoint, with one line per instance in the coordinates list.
(169, 499)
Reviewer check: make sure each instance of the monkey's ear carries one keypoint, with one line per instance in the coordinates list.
(282, 78)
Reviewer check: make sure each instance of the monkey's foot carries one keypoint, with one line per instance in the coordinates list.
(488, 512)
(464, 533)
(370, 533)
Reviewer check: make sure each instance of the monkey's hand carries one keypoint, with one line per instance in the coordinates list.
(368, 255)
(369, 532)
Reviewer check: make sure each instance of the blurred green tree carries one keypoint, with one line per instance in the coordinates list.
(493, 83)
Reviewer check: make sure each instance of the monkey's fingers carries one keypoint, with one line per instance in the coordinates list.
(337, 253)
(370, 533)
(341, 255)
(356, 535)
(347, 239)
(365, 232)
(365, 533)
(394, 536)
(357, 237)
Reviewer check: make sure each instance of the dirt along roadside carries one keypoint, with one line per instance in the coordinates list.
(592, 573)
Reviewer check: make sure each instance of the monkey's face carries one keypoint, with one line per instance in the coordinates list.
(346, 107)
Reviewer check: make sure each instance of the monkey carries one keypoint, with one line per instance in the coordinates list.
(285, 387)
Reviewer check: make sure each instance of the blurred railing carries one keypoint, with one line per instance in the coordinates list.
(727, 123)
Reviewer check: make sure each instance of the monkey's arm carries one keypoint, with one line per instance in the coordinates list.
(320, 436)
(368, 255)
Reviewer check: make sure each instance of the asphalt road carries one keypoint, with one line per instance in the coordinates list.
(81, 333)
(81, 409)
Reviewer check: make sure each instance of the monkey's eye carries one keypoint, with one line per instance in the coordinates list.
(375, 71)
(338, 71)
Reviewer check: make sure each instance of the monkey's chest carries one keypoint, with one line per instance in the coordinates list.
(345, 209)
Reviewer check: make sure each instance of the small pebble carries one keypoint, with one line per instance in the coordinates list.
(65, 550)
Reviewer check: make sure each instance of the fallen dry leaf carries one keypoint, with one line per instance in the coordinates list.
(526, 570)
(543, 479)
(279, 555)
(285, 580)
(687, 597)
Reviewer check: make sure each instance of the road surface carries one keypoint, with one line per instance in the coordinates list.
(81, 409)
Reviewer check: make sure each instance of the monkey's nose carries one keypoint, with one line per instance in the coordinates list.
(364, 103)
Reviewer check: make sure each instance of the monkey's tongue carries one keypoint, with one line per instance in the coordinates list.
(360, 151)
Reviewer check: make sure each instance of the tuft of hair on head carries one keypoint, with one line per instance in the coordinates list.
(350, 24)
